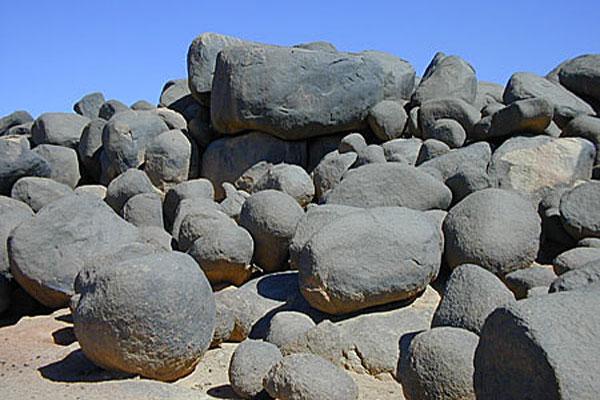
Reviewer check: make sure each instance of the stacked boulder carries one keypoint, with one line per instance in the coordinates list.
(306, 202)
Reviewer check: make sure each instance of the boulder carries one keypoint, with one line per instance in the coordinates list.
(12, 214)
(61, 129)
(329, 172)
(488, 93)
(248, 180)
(431, 149)
(144, 209)
(446, 108)
(176, 95)
(142, 105)
(390, 184)
(525, 85)
(585, 276)
(387, 119)
(225, 159)
(125, 186)
(398, 75)
(195, 188)
(521, 281)
(233, 201)
(533, 166)
(523, 116)
(588, 128)
(574, 259)
(448, 131)
(171, 118)
(578, 211)
(309, 377)
(96, 190)
(271, 218)
(392, 255)
(543, 347)
(447, 76)
(224, 325)
(38, 192)
(121, 324)
(170, 159)
(320, 146)
(470, 295)
(372, 154)
(14, 119)
(352, 142)
(89, 105)
(90, 147)
(290, 179)
(125, 138)
(191, 206)
(438, 365)
(581, 76)
(402, 150)
(64, 166)
(46, 252)
(17, 161)
(287, 326)
(293, 93)
(250, 363)
(110, 108)
(494, 228)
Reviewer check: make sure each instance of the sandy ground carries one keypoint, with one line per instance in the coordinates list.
(40, 359)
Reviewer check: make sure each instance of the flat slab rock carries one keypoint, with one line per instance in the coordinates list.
(40, 356)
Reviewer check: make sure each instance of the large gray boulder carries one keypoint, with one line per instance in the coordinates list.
(12, 213)
(293, 93)
(525, 85)
(399, 75)
(226, 159)
(330, 170)
(544, 347)
(89, 105)
(62, 129)
(250, 363)
(438, 365)
(391, 255)
(387, 119)
(170, 159)
(195, 188)
(390, 184)
(46, 252)
(581, 75)
(17, 161)
(90, 148)
(121, 324)
(447, 76)
(523, 116)
(579, 212)
(271, 217)
(535, 165)
(494, 228)
(470, 295)
(64, 165)
(14, 119)
(309, 377)
(125, 186)
(38, 192)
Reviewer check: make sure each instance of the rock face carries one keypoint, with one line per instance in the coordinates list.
(46, 252)
(293, 93)
(309, 377)
(470, 295)
(541, 348)
(250, 363)
(271, 218)
(438, 365)
(494, 228)
(534, 165)
(121, 323)
(390, 184)
(578, 211)
(391, 255)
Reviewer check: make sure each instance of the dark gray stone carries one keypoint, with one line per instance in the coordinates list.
(319, 147)
(191, 206)
(399, 75)
(431, 149)
(392, 255)
(38, 192)
(448, 131)
(521, 281)
(522, 116)
(171, 118)
(195, 188)
(266, 88)
(488, 93)
(540, 348)
(581, 75)
(249, 364)
(176, 95)
(20, 130)
(89, 105)
(588, 128)
(125, 186)
(579, 212)
(226, 159)
(447, 76)
(574, 259)
(390, 184)
(494, 228)
(387, 119)
(110, 108)
(271, 218)
(290, 179)
(438, 365)
(90, 146)
(329, 172)
(47, 251)
(287, 326)
(62, 129)
(121, 324)
(144, 209)
(309, 377)
(12, 213)
(170, 159)
(447, 108)
(14, 119)
(582, 277)
(64, 165)
(470, 295)
(248, 180)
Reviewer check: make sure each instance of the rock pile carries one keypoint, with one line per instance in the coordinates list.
(306, 202)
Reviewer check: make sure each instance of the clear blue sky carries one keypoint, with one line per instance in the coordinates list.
(52, 52)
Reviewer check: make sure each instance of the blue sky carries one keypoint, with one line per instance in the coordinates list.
(53, 52)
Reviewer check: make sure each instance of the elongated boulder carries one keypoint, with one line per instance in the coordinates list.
(523, 116)
(293, 93)
(47, 251)
(391, 255)
(494, 228)
(125, 320)
(390, 184)
(38, 192)
(544, 347)
(62, 129)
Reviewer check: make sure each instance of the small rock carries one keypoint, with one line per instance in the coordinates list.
(522, 280)
(387, 119)
(38, 192)
(250, 363)
(353, 142)
(431, 149)
(110, 108)
(586, 275)
(523, 116)
(89, 105)
(287, 326)
(125, 186)
(290, 179)
(195, 188)
(61, 129)
(144, 209)
(329, 172)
